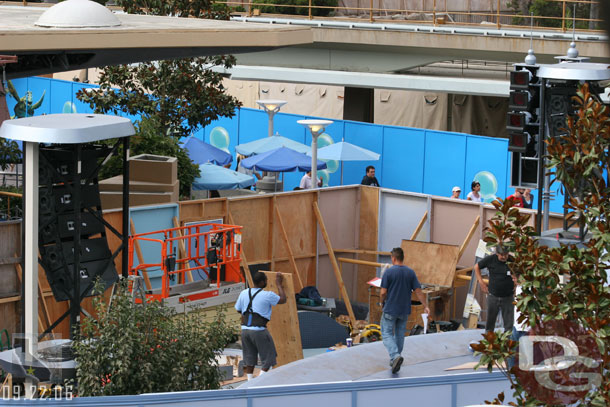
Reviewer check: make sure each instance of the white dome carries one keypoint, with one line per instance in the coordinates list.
(78, 14)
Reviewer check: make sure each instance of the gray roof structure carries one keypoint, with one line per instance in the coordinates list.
(65, 128)
(137, 38)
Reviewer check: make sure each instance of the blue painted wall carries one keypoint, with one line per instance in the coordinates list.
(416, 160)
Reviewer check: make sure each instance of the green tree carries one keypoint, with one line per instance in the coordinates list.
(175, 98)
(148, 140)
(127, 348)
(580, 160)
(9, 153)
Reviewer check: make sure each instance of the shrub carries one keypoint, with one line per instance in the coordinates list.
(581, 161)
(150, 139)
(15, 210)
(129, 348)
(297, 7)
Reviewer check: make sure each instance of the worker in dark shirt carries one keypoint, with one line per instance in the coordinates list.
(369, 178)
(500, 290)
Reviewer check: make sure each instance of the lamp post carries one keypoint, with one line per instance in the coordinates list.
(271, 106)
(316, 127)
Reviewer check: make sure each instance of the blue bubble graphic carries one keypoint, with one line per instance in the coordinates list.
(219, 137)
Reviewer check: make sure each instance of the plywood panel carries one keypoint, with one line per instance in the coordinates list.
(367, 237)
(299, 230)
(399, 215)
(284, 323)
(340, 210)
(253, 215)
(9, 317)
(451, 221)
(202, 209)
(433, 263)
(115, 218)
(295, 210)
(308, 268)
(10, 246)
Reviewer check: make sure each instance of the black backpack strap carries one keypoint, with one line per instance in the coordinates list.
(251, 318)
(249, 307)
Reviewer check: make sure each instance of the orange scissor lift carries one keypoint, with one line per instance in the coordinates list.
(209, 251)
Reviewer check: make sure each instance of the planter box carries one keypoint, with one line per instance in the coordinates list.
(153, 168)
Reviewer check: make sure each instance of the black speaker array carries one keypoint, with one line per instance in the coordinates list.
(57, 223)
(559, 106)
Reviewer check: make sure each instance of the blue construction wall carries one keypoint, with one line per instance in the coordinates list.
(416, 160)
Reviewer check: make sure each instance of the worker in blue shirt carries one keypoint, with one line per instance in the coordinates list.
(397, 284)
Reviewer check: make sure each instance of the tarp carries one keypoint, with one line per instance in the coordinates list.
(217, 177)
(201, 152)
(270, 143)
(344, 151)
(281, 159)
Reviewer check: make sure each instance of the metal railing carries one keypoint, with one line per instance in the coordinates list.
(435, 12)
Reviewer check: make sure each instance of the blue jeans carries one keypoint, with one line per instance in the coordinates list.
(393, 333)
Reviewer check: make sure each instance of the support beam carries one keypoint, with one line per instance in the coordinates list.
(419, 227)
(335, 265)
(473, 229)
(360, 262)
(362, 251)
(30, 251)
(244, 262)
(140, 255)
(469, 278)
(280, 222)
(182, 248)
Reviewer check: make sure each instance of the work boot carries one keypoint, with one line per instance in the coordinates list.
(396, 363)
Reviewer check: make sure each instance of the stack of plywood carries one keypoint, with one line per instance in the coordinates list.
(435, 266)
(153, 179)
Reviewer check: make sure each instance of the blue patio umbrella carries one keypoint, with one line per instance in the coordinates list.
(270, 143)
(344, 151)
(201, 152)
(281, 159)
(217, 177)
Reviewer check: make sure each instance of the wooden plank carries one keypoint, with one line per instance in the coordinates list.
(10, 250)
(10, 260)
(13, 298)
(368, 234)
(433, 263)
(419, 227)
(136, 244)
(473, 229)
(41, 325)
(300, 257)
(253, 215)
(295, 269)
(115, 218)
(244, 262)
(182, 249)
(361, 251)
(271, 243)
(334, 264)
(469, 278)
(284, 323)
(201, 209)
(360, 262)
